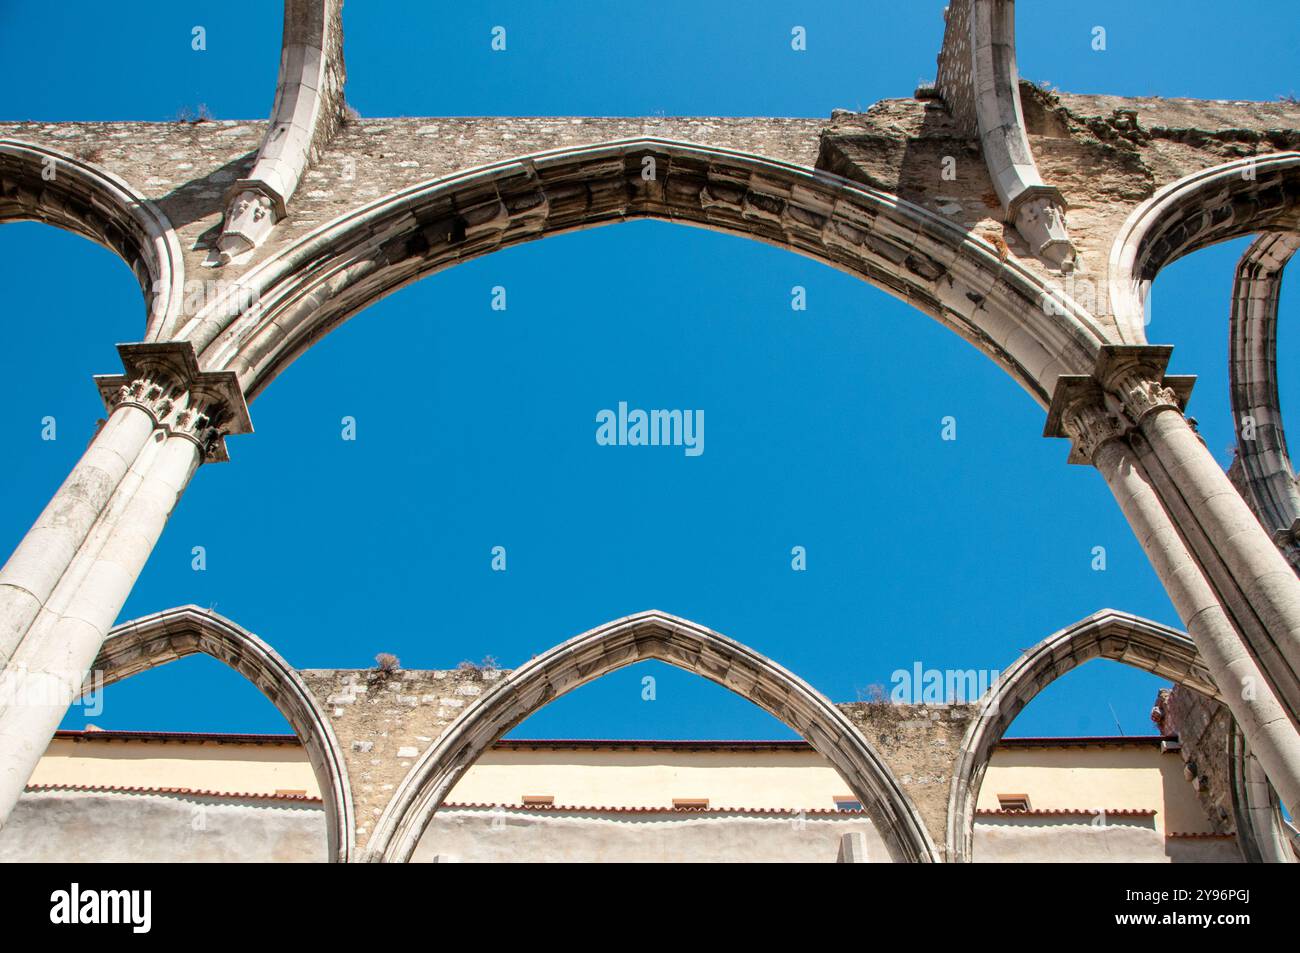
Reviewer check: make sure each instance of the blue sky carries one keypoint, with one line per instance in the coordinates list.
(476, 427)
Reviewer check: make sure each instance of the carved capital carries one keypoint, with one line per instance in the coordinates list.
(1135, 376)
(1127, 386)
(165, 381)
(1079, 411)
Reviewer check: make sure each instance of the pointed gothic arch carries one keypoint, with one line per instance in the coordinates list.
(615, 645)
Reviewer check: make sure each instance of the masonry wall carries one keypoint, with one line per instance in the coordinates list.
(920, 744)
(384, 722)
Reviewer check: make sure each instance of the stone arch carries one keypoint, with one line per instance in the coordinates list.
(1259, 193)
(615, 645)
(1033, 332)
(40, 184)
(1266, 469)
(1107, 634)
(166, 636)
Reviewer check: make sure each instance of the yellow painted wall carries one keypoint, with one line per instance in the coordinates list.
(652, 778)
(1097, 777)
(1065, 777)
(207, 766)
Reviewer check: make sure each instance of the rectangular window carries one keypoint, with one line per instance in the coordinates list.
(1013, 802)
(538, 800)
(847, 802)
(694, 803)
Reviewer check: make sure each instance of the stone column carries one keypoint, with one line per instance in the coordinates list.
(1080, 411)
(190, 412)
(36, 566)
(1239, 559)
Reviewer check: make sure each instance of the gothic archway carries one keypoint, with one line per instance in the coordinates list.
(623, 642)
(166, 636)
(1107, 634)
(313, 286)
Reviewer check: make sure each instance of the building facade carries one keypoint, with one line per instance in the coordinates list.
(174, 797)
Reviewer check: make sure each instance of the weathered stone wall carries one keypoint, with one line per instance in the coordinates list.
(385, 721)
(1105, 153)
(1203, 727)
(920, 743)
(954, 80)
(1109, 153)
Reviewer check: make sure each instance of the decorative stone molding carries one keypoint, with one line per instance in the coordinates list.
(165, 381)
(1079, 412)
(980, 82)
(1038, 213)
(1135, 375)
(163, 637)
(1107, 634)
(308, 109)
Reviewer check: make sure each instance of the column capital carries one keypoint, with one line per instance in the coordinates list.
(1135, 375)
(164, 380)
(1079, 412)
(1127, 385)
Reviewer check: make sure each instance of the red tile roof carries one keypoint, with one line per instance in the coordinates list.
(666, 809)
(1199, 836)
(190, 792)
(555, 744)
(1062, 811)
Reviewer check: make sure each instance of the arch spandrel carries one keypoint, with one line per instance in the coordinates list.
(163, 637)
(623, 642)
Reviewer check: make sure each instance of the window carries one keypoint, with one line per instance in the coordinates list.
(847, 802)
(538, 800)
(1013, 802)
(691, 803)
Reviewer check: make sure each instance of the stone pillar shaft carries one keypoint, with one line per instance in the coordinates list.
(35, 568)
(1250, 697)
(47, 672)
(63, 588)
(1250, 560)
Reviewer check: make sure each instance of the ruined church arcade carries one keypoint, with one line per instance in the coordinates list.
(1028, 221)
